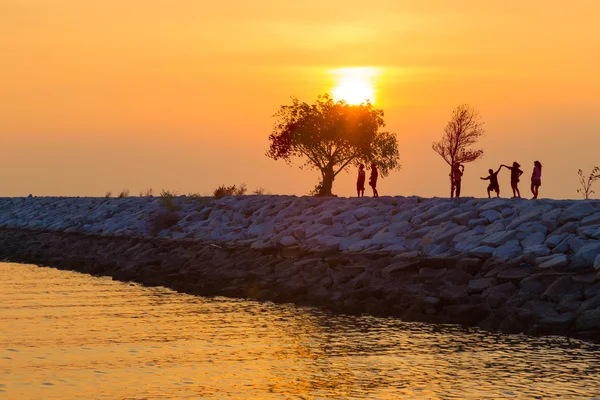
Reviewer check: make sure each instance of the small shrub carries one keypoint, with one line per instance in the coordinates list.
(586, 184)
(163, 220)
(259, 191)
(108, 195)
(167, 200)
(223, 191)
(317, 190)
(147, 193)
(124, 193)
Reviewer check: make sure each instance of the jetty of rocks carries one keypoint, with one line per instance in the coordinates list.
(502, 264)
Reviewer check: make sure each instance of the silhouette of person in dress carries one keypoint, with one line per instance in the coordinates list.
(373, 179)
(536, 179)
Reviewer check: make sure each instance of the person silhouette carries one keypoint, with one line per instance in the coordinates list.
(457, 172)
(515, 174)
(373, 179)
(360, 182)
(536, 179)
(493, 186)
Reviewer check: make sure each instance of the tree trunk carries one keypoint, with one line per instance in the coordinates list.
(451, 183)
(327, 183)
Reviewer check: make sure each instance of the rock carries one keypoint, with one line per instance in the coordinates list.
(553, 262)
(490, 215)
(465, 217)
(288, 241)
(400, 228)
(470, 265)
(495, 204)
(468, 314)
(511, 325)
(498, 295)
(586, 255)
(554, 321)
(597, 262)
(555, 240)
(482, 252)
(533, 226)
(588, 320)
(363, 212)
(538, 250)
(498, 238)
(575, 243)
(477, 222)
(513, 274)
(593, 219)
(577, 212)
(479, 285)
(507, 251)
(391, 270)
(536, 238)
(586, 279)
(496, 227)
(589, 304)
(540, 309)
(562, 288)
(454, 294)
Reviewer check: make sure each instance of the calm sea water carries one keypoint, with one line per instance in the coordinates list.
(65, 335)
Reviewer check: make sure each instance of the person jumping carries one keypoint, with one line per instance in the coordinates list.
(493, 186)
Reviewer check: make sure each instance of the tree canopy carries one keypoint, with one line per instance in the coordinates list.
(332, 136)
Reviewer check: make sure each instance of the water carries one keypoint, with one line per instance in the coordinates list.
(65, 335)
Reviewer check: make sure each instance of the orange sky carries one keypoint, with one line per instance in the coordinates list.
(99, 96)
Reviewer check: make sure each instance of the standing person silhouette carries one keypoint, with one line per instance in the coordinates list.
(360, 183)
(493, 186)
(457, 172)
(515, 174)
(373, 179)
(536, 179)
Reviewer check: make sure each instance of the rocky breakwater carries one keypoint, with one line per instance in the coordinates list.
(508, 264)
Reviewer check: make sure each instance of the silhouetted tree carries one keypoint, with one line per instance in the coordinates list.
(586, 185)
(332, 136)
(461, 132)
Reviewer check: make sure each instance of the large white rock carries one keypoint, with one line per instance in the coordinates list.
(507, 252)
(587, 254)
(364, 212)
(490, 215)
(538, 250)
(555, 240)
(577, 212)
(499, 238)
(528, 215)
(533, 239)
(597, 262)
(593, 219)
(554, 261)
(400, 227)
(482, 252)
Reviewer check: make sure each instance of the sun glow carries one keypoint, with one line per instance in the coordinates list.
(354, 85)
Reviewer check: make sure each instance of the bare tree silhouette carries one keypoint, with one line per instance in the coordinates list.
(461, 132)
(586, 185)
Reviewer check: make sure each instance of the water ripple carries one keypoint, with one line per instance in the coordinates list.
(68, 335)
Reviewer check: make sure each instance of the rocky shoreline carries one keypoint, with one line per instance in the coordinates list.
(527, 267)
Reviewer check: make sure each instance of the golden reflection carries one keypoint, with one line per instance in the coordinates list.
(69, 335)
(355, 85)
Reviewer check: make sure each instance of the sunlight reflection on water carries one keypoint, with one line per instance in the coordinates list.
(68, 335)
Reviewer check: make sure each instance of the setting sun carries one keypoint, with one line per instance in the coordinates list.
(354, 85)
